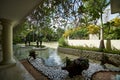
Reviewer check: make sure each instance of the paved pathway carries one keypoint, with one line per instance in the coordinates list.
(51, 44)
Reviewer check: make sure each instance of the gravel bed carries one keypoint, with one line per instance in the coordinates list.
(56, 73)
(93, 67)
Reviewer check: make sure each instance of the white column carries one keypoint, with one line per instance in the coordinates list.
(7, 47)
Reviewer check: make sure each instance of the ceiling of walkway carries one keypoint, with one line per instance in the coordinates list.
(16, 10)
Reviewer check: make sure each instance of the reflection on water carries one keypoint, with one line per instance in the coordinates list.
(53, 59)
(50, 56)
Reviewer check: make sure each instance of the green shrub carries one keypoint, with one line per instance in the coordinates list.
(62, 42)
(113, 51)
(17, 40)
(84, 48)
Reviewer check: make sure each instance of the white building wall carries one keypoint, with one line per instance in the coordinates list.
(93, 43)
(93, 36)
(115, 44)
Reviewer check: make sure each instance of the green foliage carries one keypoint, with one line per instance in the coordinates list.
(111, 32)
(79, 34)
(65, 9)
(62, 42)
(20, 32)
(52, 35)
(116, 22)
(59, 32)
(93, 29)
(83, 48)
(31, 36)
(76, 33)
(17, 39)
(113, 51)
(98, 8)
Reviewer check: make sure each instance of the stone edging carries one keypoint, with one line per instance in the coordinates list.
(106, 71)
(90, 54)
(35, 48)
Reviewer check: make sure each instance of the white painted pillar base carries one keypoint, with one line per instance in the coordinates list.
(7, 47)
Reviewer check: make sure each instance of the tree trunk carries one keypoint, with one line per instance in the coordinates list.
(37, 43)
(108, 45)
(101, 46)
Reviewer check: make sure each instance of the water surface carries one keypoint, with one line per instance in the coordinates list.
(50, 56)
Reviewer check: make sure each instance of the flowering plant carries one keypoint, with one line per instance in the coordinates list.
(93, 29)
(116, 22)
(70, 31)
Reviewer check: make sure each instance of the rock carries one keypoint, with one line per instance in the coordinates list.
(54, 73)
(76, 67)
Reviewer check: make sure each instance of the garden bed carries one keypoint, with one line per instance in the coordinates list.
(90, 54)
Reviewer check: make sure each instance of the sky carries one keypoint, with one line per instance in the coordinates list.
(107, 16)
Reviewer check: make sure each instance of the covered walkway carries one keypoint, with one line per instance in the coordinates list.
(12, 12)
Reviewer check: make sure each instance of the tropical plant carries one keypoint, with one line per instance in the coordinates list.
(59, 32)
(80, 33)
(20, 32)
(112, 29)
(62, 42)
(67, 33)
(66, 11)
(116, 22)
(96, 12)
(93, 29)
(76, 33)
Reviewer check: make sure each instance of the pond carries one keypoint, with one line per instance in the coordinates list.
(52, 58)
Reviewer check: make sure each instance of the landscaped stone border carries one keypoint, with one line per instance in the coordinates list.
(53, 73)
(39, 48)
(90, 54)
